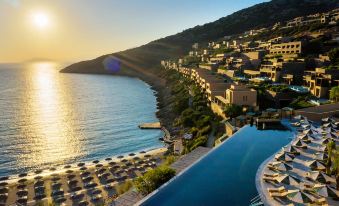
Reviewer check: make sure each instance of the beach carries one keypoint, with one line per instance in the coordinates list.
(85, 183)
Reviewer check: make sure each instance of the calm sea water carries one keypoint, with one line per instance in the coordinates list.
(49, 119)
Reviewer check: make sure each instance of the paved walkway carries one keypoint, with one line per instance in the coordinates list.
(129, 198)
(190, 158)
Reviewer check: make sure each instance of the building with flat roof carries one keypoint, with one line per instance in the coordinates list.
(320, 81)
(283, 71)
(286, 48)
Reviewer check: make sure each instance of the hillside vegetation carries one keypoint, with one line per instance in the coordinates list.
(145, 59)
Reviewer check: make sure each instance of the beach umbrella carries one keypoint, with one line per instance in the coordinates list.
(21, 186)
(124, 160)
(142, 152)
(131, 154)
(284, 157)
(112, 163)
(136, 158)
(300, 197)
(83, 168)
(67, 166)
(3, 190)
(85, 173)
(21, 193)
(71, 176)
(319, 177)
(2, 184)
(316, 165)
(325, 119)
(148, 155)
(38, 177)
(69, 171)
(320, 156)
(96, 161)
(39, 183)
(326, 191)
(325, 140)
(299, 143)
(22, 200)
(52, 168)
(121, 156)
(38, 171)
(22, 175)
(56, 178)
(281, 166)
(108, 159)
(4, 178)
(22, 180)
(287, 179)
(81, 164)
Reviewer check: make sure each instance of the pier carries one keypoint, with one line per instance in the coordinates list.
(154, 125)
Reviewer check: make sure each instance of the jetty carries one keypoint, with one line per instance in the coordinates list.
(154, 125)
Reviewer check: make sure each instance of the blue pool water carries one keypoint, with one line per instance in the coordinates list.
(226, 175)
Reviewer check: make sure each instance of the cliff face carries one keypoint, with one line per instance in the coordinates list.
(146, 58)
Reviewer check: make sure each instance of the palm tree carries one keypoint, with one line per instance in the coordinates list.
(336, 167)
(330, 150)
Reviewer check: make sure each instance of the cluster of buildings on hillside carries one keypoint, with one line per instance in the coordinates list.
(224, 69)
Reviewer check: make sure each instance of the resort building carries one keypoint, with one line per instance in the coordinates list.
(278, 70)
(320, 81)
(241, 95)
(286, 48)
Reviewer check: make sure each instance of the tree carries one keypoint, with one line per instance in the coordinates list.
(153, 179)
(335, 157)
(330, 148)
(334, 56)
(232, 110)
(334, 93)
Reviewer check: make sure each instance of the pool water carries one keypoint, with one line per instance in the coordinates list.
(226, 175)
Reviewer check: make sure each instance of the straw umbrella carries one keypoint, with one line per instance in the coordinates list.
(319, 177)
(81, 164)
(108, 159)
(326, 190)
(284, 157)
(287, 179)
(131, 154)
(96, 161)
(283, 166)
(316, 165)
(300, 197)
(121, 156)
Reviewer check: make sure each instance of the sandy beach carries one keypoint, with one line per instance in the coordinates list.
(86, 183)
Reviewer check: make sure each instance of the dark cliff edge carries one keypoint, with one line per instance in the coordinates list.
(144, 62)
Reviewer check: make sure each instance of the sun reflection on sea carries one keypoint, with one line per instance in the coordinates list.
(50, 135)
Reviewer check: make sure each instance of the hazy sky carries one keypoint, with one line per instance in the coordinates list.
(69, 30)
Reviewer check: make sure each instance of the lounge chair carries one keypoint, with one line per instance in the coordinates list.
(277, 189)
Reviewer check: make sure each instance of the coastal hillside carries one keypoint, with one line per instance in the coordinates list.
(141, 61)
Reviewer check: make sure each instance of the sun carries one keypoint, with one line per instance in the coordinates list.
(40, 20)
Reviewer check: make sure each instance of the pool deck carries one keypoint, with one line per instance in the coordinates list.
(300, 170)
(188, 159)
(106, 175)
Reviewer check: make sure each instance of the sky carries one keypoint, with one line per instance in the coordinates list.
(72, 30)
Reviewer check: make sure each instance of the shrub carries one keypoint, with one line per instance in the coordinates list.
(124, 187)
(153, 179)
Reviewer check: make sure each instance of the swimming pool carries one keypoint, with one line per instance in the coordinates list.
(226, 175)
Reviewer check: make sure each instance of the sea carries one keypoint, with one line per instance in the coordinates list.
(49, 119)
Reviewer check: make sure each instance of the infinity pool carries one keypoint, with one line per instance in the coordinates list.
(226, 175)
